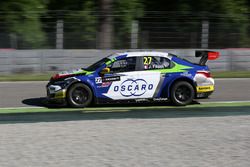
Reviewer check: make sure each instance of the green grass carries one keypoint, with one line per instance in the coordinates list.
(46, 76)
(25, 77)
(194, 107)
(231, 74)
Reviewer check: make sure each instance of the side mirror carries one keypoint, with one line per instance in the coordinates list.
(105, 70)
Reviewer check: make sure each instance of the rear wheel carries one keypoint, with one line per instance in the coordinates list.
(79, 95)
(182, 93)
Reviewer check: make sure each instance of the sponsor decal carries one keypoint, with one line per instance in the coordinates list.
(142, 100)
(98, 80)
(186, 74)
(111, 79)
(132, 87)
(201, 89)
(104, 85)
(106, 81)
(160, 99)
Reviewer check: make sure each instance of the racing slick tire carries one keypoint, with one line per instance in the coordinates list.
(79, 95)
(182, 93)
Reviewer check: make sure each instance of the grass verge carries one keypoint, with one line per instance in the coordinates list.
(231, 74)
(194, 107)
(25, 77)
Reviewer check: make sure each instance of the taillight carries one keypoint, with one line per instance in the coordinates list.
(205, 73)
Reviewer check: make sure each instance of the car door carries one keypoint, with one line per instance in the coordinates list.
(108, 85)
(132, 82)
(153, 70)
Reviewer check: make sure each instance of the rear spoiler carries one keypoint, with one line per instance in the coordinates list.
(206, 55)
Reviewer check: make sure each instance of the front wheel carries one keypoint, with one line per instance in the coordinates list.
(182, 93)
(79, 95)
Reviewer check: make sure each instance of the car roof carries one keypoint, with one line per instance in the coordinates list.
(140, 53)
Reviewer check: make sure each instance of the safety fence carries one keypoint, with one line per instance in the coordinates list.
(52, 60)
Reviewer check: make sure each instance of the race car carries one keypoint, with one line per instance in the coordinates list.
(135, 77)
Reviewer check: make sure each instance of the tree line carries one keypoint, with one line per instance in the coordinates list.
(108, 22)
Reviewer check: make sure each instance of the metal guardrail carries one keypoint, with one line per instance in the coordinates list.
(41, 61)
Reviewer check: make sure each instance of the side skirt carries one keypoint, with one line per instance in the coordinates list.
(111, 101)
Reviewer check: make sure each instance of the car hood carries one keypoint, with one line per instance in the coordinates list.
(66, 74)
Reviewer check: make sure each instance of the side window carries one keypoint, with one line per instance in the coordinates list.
(123, 65)
(154, 62)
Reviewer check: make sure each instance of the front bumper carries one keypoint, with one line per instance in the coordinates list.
(55, 94)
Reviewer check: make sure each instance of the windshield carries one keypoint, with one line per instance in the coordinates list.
(98, 64)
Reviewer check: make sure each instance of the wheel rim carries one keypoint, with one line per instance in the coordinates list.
(183, 93)
(79, 95)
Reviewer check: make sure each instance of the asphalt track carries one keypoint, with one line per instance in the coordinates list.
(30, 94)
(214, 137)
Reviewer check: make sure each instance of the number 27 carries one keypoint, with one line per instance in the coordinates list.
(147, 60)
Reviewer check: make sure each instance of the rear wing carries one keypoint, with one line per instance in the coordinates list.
(206, 55)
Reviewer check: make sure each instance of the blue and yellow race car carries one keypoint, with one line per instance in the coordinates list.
(135, 77)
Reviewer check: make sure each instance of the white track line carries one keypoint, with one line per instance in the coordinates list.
(246, 101)
(12, 108)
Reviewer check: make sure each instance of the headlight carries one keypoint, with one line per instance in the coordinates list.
(54, 88)
(59, 85)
